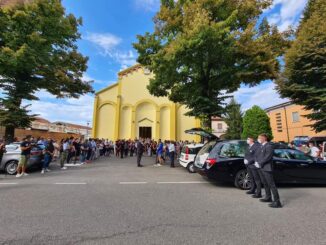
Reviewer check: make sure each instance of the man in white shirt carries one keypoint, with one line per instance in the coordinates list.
(172, 152)
(314, 151)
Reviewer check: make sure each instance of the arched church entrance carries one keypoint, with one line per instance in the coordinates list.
(145, 120)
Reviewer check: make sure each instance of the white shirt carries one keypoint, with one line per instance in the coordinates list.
(314, 151)
(66, 146)
(171, 147)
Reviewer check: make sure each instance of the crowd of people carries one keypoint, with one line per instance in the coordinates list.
(82, 151)
(163, 150)
(309, 149)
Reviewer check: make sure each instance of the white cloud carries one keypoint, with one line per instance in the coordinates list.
(108, 45)
(288, 13)
(71, 110)
(105, 41)
(147, 5)
(88, 78)
(125, 59)
(264, 95)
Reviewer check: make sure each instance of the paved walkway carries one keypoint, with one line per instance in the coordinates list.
(114, 202)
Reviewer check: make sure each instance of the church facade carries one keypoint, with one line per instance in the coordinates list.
(126, 110)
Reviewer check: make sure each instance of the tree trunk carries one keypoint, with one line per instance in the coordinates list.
(9, 134)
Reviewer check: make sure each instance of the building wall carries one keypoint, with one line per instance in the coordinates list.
(122, 108)
(219, 127)
(285, 126)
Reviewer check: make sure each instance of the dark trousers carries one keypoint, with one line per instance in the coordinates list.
(172, 158)
(269, 185)
(251, 176)
(256, 179)
(139, 155)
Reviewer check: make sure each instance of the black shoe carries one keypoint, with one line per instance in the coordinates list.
(257, 196)
(275, 204)
(250, 192)
(266, 200)
(140, 166)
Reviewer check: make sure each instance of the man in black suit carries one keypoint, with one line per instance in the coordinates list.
(253, 172)
(264, 162)
(140, 151)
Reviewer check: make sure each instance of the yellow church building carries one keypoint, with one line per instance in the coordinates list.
(126, 110)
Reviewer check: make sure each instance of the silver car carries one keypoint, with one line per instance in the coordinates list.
(11, 158)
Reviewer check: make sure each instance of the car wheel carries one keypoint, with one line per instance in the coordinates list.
(11, 167)
(242, 180)
(191, 168)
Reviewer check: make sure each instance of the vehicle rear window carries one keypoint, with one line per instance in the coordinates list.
(233, 149)
(207, 147)
(193, 151)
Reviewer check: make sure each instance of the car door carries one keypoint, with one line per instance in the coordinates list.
(283, 166)
(310, 169)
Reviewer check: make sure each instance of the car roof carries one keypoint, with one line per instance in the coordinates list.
(194, 145)
(201, 132)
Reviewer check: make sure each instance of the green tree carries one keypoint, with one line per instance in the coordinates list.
(37, 51)
(200, 51)
(233, 118)
(304, 77)
(256, 122)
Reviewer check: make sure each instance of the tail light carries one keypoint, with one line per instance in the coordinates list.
(210, 162)
(187, 153)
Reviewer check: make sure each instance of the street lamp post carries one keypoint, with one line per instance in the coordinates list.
(88, 122)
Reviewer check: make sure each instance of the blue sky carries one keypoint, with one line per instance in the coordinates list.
(109, 29)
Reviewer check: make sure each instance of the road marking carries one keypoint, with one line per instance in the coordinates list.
(82, 183)
(132, 183)
(182, 182)
(8, 183)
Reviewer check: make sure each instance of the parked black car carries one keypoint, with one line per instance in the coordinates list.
(223, 161)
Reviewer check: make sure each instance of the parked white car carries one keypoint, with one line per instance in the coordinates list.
(187, 156)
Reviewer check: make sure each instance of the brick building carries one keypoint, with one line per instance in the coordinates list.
(288, 121)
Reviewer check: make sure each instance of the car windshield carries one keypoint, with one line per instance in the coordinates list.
(234, 149)
(191, 150)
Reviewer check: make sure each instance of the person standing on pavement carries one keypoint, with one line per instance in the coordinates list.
(159, 153)
(249, 161)
(140, 151)
(122, 151)
(83, 151)
(48, 154)
(172, 153)
(25, 147)
(2, 149)
(264, 162)
(64, 154)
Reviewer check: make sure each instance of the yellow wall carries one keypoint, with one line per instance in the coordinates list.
(122, 108)
(165, 123)
(126, 116)
(106, 121)
(184, 123)
(285, 129)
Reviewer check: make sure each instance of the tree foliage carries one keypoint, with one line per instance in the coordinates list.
(304, 77)
(203, 50)
(233, 118)
(38, 51)
(256, 122)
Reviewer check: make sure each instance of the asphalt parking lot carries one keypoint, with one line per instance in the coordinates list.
(113, 202)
